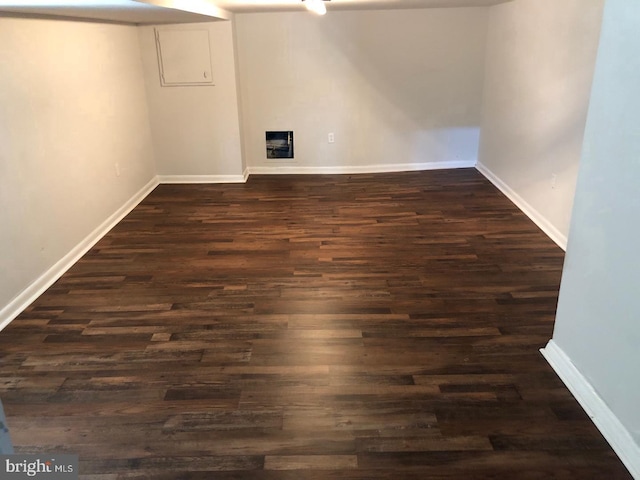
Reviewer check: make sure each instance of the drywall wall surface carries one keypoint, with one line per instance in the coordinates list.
(396, 88)
(539, 67)
(75, 143)
(597, 323)
(196, 129)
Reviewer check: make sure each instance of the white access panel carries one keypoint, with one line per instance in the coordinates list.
(184, 57)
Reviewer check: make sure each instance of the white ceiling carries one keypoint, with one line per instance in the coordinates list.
(185, 11)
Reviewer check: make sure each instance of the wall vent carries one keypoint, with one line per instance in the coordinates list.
(279, 144)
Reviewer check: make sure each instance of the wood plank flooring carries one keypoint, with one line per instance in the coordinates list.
(305, 327)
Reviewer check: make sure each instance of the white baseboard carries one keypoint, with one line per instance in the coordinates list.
(48, 278)
(552, 232)
(609, 425)
(202, 178)
(355, 169)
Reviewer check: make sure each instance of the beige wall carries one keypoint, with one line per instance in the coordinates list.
(399, 89)
(72, 105)
(539, 65)
(597, 323)
(196, 129)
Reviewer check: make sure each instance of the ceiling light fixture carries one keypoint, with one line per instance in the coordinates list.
(316, 6)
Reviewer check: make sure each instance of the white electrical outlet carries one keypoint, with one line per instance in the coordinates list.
(554, 177)
(331, 137)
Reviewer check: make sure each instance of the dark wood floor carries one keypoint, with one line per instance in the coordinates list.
(305, 327)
